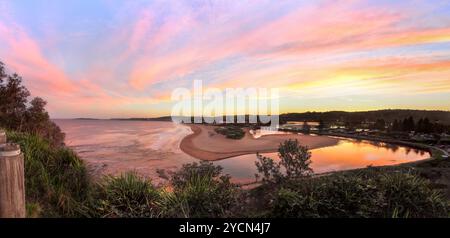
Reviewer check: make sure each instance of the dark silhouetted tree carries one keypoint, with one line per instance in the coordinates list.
(36, 113)
(306, 127)
(294, 163)
(2, 72)
(408, 124)
(15, 114)
(425, 126)
(380, 124)
(321, 125)
(396, 125)
(13, 100)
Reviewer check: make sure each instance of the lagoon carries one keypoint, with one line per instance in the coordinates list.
(147, 147)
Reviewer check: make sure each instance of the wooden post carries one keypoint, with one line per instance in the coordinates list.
(12, 182)
(2, 137)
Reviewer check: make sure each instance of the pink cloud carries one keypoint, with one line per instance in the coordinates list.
(290, 48)
(24, 56)
(305, 28)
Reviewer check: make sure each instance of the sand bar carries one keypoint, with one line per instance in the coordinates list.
(205, 144)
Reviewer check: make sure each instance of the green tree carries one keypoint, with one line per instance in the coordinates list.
(18, 114)
(36, 115)
(321, 125)
(425, 126)
(294, 163)
(380, 124)
(408, 124)
(13, 100)
(2, 72)
(396, 125)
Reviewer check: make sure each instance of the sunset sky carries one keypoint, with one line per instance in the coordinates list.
(106, 58)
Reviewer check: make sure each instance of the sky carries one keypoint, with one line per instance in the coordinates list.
(108, 58)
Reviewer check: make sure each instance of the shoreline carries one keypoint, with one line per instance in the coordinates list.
(205, 144)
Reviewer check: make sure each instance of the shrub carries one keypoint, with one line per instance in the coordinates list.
(199, 190)
(294, 163)
(408, 195)
(56, 179)
(127, 196)
(231, 132)
(336, 196)
(385, 194)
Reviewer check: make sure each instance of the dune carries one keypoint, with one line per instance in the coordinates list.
(205, 144)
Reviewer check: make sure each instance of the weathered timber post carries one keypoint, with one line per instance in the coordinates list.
(12, 180)
(2, 137)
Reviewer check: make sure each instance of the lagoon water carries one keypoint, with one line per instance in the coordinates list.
(114, 147)
(347, 154)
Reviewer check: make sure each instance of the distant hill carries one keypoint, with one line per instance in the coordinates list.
(165, 118)
(388, 115)
(86, 119)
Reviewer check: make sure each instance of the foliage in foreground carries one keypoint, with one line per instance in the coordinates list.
(197, 190)
(58, 186)
(200, 190)
(56, 180)
(382, 194)
(126, 196)
(290, 191)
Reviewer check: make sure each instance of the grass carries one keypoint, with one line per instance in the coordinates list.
(191, 195)
(58, 185)
(126, 196)
(200, 190)
(56, 179)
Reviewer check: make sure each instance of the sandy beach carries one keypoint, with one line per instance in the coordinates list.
(206, 144)
(115, 147)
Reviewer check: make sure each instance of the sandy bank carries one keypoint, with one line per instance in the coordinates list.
(206, 144)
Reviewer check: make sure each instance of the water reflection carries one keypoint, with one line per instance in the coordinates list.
(114, 147)
(348, 154)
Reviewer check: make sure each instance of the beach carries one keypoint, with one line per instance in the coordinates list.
(115, 147)
(205, 144)
(110, 147)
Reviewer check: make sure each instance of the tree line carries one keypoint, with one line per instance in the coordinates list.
(19, 113)
(423, 125)
(355, 118)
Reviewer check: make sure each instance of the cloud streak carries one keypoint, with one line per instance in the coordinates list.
(128, 63)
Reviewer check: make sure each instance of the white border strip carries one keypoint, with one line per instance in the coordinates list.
(9, 153)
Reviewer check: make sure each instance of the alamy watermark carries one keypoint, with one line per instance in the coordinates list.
(230, 106)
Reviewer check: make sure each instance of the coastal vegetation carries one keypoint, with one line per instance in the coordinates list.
(294, 163)
(356, 118)
(231, 132)
(58, 186)
(58, 183)
(364, 194)
(56, 179)
(19, 113)
(373, 192)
